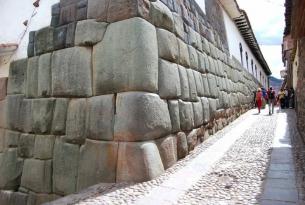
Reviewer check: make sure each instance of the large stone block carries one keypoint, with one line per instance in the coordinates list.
(59, 37)
(138, 162)
(42, 115)
(202, 62)
(3, 88)
(44, 75)
(173, 107)
(37, 175)
(213, 107)
(13, 198)
(100, 123)
(182, 148)
(193, 57)
(119, 10)
(185, 88)
(44, 40)
(212, 85)
(32, 77)
(101, 157)
(184, 58)
(17, 77)
(89, 32)
(191, 140)
(13, 108)
(198, 114)
(178, 25)
(169, 80)
(71, 72)
(98, 9)
(161, 16)
(186, 115)
(10, 169)
(65, 166)
(127, 58)
(70, 34)
(25, 120)
(167, 45)
(26, 145)
(192, 85)
(43, 148)
(168, 150)
(2, 140)
(76, 121)
(141, 116)
(206, 85)
(3, 111)
(11, 138)
(60, 116)
(67, 13)
(199, 83)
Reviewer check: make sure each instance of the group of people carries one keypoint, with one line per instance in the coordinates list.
(285, 97)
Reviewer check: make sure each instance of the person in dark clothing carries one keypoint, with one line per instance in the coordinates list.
(292, 98)
(271, 100)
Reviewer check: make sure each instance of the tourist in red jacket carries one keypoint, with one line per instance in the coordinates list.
(259, 100)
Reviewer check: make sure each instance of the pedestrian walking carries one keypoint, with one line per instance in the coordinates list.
(287, 97)
(271, 100)
(281, 97)
(259, 96)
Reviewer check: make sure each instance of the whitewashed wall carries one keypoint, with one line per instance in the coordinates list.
(12, 14)
(234, 38)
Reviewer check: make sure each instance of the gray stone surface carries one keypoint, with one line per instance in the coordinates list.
(17, 77)
(25, 120)
(71, 72)
(65, 166)
(43, 148)
(60, 116)
(213, 107)
(206, 110)
(127, 59)
(38, 198)
(201, 62)
(184, 58)
(173, 107)
(37, 175)
(32, 77)
(212, 85)
(138, 162)
(193, 57)
(140, 116)
(192, 85)
(186, 115)
(185, 88)
(178, 25)
(11, 138)
(76, 121)
(182, 148)
(3, 112)
(206, 86)
(12, 198)
(199, 83)
(42, 115)
(89, 32)
(10, 169)
(26, 145)
(169, 80)
(101, 159)
(59, 37)
(44, 40)
(191, 139)
(100, 123)
(198, 113)
(97, 9)
(167, 45)
(168, 150)
(2, 140)
(161, 16)
(44, 75)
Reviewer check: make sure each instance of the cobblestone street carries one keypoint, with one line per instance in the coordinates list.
(251, 161)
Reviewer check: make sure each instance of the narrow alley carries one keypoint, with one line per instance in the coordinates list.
(251, 161)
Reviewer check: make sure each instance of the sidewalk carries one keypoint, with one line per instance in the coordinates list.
(229, 168)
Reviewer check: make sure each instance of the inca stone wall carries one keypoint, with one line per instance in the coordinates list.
(113, 91)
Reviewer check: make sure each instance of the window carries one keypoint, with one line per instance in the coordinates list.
(260, 76)
(247, 60)
(241, 54)
(252, 66)
(255, 71)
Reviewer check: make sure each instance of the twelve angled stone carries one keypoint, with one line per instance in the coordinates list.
(127, 58)
(141, 116)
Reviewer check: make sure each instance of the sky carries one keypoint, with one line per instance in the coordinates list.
(268, 22)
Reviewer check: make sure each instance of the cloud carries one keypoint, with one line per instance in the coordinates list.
(273, 55)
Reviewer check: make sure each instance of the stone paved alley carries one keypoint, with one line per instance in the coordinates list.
(252, 161)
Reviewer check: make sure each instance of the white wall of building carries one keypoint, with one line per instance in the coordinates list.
(234, 38)
(12, 14)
